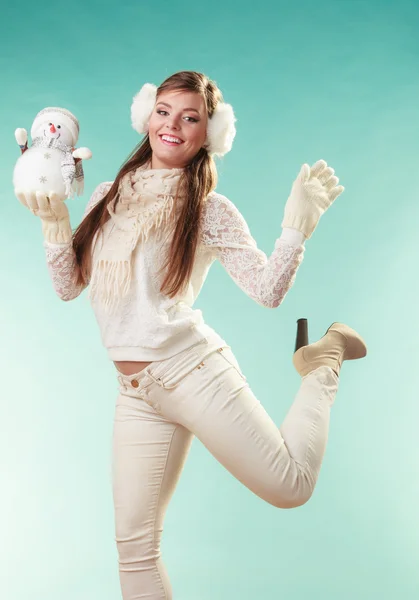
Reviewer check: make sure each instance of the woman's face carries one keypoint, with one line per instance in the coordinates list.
(177, 129)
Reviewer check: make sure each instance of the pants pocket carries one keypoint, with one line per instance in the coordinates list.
(169, 373)
(228, 355)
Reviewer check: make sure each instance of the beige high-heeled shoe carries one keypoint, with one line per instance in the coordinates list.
(339, 343)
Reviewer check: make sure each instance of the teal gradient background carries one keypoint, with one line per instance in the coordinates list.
(332, 80)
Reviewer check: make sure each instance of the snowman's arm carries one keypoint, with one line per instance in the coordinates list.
(21, 136)
(82, 154)
(61, 258)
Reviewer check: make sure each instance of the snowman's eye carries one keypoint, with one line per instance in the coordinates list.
(49, 123)
(58, 126)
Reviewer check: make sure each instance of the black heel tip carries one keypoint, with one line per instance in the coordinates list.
(302, 334)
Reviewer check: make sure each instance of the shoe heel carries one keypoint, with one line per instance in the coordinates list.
(302, 334)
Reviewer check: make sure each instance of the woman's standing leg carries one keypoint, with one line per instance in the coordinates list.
(149, 452)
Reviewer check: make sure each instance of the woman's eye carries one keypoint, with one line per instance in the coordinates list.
(164, 112)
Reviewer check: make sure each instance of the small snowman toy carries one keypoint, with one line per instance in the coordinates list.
(52, 164)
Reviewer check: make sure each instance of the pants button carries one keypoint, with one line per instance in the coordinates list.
(134, 383)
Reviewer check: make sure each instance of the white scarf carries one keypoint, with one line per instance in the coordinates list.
(144, 202)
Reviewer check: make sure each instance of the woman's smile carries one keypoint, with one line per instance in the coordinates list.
(170, 140)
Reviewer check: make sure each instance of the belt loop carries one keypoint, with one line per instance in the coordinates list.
(156, 380)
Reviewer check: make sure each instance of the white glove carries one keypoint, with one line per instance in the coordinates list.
(312, 193)
(53, 213)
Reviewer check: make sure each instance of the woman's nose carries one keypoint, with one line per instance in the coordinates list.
(173, 124)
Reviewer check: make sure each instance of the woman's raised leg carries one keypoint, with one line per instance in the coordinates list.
(279, 464)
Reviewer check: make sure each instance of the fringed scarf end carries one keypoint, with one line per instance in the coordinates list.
(110, 283)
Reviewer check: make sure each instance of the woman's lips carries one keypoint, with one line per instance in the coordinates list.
(170, 143)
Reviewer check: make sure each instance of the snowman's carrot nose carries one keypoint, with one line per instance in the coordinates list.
(52, 129)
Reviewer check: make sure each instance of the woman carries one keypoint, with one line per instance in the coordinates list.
(145, 245)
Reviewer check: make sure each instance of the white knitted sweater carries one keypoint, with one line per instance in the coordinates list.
(148, 325)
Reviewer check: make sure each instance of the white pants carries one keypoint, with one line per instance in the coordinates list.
(203, 392)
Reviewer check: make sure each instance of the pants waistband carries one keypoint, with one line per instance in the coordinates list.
(181, 362)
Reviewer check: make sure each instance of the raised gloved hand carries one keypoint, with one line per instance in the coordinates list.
(312, 193)
(53, 213)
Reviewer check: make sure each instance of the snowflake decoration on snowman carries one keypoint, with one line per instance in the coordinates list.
(52, 166)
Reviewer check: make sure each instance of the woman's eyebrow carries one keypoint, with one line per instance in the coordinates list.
(168, 105)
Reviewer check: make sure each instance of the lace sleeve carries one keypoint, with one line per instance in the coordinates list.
(265, 280)
(61, 259)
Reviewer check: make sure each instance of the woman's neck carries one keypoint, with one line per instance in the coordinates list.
(155, 163)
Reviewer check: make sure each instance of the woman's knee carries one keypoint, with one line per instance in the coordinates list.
(281, 501)
(137, 547)
(291, 492)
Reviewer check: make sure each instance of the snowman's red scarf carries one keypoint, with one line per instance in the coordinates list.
(71, 169)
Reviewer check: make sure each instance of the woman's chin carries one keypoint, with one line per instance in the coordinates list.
(168, 160)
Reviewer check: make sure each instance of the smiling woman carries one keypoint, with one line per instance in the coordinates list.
(162, 225)
(177, 129)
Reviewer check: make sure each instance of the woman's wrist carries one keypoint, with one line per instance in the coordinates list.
(292, 236)
(57, 231)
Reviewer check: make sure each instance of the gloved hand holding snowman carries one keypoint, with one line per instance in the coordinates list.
(50, 171)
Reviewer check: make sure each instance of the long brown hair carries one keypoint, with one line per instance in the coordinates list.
(198, 179)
